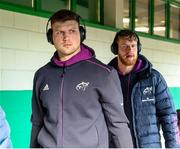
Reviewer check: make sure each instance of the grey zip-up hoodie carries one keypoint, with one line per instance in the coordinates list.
(76, 103)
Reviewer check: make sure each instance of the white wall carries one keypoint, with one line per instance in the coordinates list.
(24, 48)
(165, 57)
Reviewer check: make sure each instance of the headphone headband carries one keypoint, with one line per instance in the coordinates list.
(124, 33)
(65, 15)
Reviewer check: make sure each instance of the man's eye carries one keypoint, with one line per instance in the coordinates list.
(59, 33)
(72, 31)
(124, 46)
(134, 45)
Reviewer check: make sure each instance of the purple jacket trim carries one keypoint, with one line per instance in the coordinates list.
(139, 65)
(99, 65)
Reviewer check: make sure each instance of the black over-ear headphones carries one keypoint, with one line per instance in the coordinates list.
(82, 30)
(123, 33)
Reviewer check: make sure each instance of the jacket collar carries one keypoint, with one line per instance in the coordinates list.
(143, 66)
(85, 53)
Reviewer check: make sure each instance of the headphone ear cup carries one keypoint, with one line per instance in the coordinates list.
(49, 36)
(82, 31)
(139, 47)
(114, 49)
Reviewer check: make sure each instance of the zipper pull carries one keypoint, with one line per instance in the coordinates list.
(64, 70)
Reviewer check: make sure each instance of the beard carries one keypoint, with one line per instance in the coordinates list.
(126, 61)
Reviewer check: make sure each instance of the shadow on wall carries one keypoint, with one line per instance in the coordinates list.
(17, 106)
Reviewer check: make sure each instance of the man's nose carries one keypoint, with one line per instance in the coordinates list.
(65, 36)
(129, 48)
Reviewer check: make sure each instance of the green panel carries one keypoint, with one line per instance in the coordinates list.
(17, 106)
(176, 96)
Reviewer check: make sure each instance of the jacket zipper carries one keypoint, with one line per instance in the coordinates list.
(62, 103)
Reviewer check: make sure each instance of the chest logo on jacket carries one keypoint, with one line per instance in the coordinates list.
(148, 94)
(147, 91)
(82, 86)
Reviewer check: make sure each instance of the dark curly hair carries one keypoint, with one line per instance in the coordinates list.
(64, 15)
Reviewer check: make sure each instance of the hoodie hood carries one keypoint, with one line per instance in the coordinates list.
(84, 54)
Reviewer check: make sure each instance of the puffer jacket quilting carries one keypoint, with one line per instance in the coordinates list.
(153, 106)
(152, 109)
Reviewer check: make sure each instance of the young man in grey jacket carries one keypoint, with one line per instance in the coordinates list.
(77, 100)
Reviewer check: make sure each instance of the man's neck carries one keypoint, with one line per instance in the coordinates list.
(63, 57)
(123, 69)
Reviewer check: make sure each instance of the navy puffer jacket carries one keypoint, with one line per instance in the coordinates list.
(150, 107)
